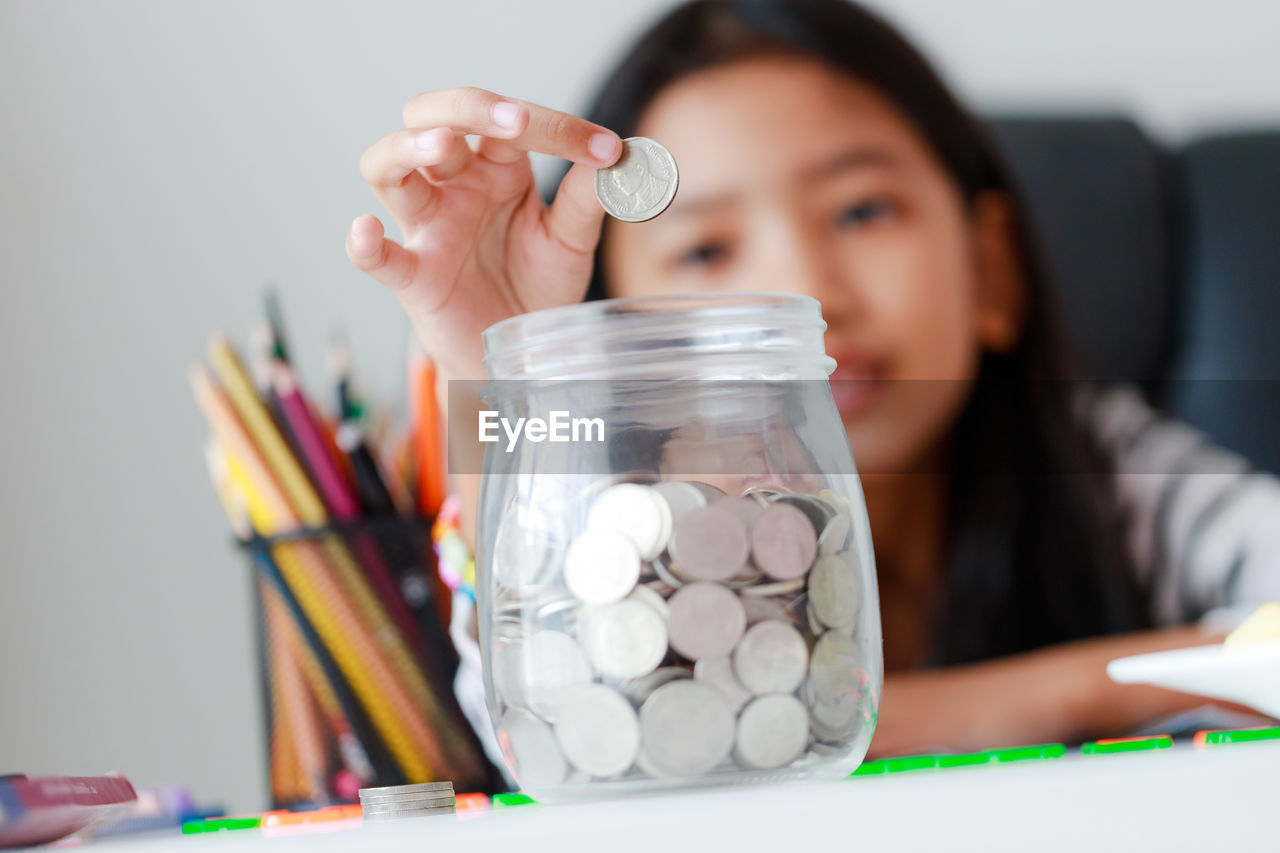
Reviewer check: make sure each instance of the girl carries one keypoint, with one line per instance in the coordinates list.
(819, 153)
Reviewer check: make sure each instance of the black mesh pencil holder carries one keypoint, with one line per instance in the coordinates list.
(356, 662)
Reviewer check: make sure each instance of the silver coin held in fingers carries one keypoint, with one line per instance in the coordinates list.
(641, 184)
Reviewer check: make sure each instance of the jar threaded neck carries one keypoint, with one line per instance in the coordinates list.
(703, 336)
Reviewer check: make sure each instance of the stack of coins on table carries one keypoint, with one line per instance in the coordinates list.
(429, 798)
(681, 632)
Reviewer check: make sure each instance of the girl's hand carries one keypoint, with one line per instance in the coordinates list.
(1058, 693)
(479, 244)
(965, 709)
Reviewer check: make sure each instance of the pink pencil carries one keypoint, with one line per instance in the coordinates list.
(336, 492)
(333, 487)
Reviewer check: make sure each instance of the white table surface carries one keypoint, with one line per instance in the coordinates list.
(1225, 798)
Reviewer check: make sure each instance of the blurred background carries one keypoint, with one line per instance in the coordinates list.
(161, 161)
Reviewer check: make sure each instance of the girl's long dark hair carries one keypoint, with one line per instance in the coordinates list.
(1034, 552)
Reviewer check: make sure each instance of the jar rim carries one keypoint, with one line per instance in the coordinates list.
(631, 316)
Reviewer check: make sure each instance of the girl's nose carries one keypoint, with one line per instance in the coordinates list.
(801, 261)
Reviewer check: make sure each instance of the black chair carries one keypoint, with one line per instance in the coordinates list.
(1167, 263)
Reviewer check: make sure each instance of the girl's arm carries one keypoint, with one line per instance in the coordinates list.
(1060, 693)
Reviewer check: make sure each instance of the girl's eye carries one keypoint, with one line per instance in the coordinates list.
(703, 255)
(864, 212)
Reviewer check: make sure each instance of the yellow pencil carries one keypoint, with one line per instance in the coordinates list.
(342, 564)
(354, 650)
(215, 461)
(350, 749)
(310, 510)
(353, 752)
(257, 421)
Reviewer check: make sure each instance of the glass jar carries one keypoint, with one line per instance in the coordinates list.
(680, 588)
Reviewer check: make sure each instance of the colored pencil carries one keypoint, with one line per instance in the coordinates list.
(358, 665)
(357, 653)
(275, 321)
(404, 553)
(339, 497)
(308, 743)
(424, 411)
(357, 746)
(298, 494)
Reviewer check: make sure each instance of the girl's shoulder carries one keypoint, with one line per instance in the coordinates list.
(1136, 438)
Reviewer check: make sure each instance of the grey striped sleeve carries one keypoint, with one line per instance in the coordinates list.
(1203, 527)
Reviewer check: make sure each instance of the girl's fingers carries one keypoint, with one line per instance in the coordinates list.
(391, 168)
(384, 260)
(526, 126)
(460, 156)
(500, 151)
(575, 216)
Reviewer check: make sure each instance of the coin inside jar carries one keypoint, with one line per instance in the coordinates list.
(523, 554)
(746, 509)
(718, 674)
(667, 572)
(834, 689)
(834, 718)
(773, 731)
(508, 673)
(681, 497)
(833, 591)
(705, 621)
(772, 589)
(771, 658)
(709, 544)
(835, 536)
(710, 492)
(597, 730)
(818, 511)
(601, 566)
(640, 689)
(553, 664)
(637, 512)
(640, 184)
(831, 666)
(686, 729)
(653, 599)
(759, 609)
(625, 639)
(783, 543)
(531, 747)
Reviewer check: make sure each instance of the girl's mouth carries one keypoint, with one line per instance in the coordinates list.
(856, 383)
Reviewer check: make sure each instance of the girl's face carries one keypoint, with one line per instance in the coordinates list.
(795, 178)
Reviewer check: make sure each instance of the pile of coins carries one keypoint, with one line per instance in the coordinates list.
(429, 798)
(681, 632)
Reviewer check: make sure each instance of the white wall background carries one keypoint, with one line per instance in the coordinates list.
(159, 161)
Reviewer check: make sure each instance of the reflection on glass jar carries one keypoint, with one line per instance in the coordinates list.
(691, 599)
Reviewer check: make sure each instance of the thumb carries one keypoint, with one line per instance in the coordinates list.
(575, 216)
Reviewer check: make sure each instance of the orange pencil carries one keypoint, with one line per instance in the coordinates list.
(290, 688)
(427, 438)
(284, 758)
(351, 751)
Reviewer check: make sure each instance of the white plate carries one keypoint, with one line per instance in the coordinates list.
(1249, 675)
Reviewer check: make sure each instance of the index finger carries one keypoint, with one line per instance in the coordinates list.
(519, 124)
